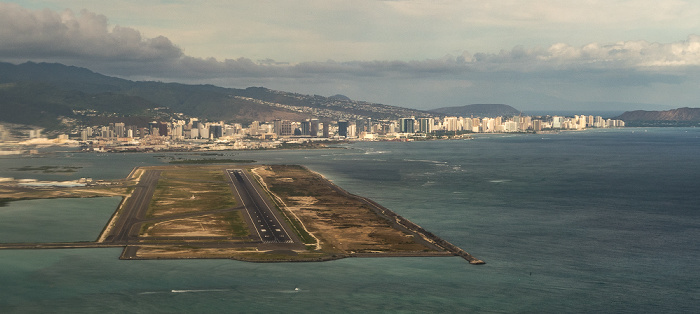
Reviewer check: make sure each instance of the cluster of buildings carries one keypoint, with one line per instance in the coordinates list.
(516, 124)
(195, 134)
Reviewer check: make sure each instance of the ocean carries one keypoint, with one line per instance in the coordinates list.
(602, 220)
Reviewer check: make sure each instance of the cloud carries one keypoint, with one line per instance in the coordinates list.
(630, 56)
(620, 71)
(45, 34)
(88, 37)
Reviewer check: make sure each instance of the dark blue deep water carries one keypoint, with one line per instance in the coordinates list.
(578, 222)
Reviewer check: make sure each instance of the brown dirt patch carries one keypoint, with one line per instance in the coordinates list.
(344, 224)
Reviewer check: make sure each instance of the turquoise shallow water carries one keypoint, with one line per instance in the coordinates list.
(55, 220)
(595, 221)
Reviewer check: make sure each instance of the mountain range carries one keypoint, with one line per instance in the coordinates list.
(479, 110)
(47, 94)
(56, 96)
(680, 114)
(675, 117)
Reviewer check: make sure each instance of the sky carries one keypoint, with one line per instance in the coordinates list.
(535, 55)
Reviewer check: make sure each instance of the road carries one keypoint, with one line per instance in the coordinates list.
(267, 224)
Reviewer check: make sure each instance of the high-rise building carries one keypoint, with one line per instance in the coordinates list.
(488, 125)
(203, 131)
(407, 125)
(105, 132)
(426, 125)
(525, 123)
(511, 126)
(153, 127)
(314, 127)
(283, 127)
(119, 129)
(343, 128)
(451, 124)
(537, 125)
(216, 130)
(352, 130)
(176, 131)
(580, 122)
(557, 122)
(326, 130)
(162, 128)
(305, 128)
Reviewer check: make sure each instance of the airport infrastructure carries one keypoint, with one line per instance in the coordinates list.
(267, 230)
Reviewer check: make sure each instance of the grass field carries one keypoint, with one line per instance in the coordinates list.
(227, 224)
(190, 190)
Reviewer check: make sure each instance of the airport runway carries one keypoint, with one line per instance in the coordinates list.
(268, 231)
(135, 208)
(269, 227)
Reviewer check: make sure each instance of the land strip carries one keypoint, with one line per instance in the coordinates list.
(254, 213)
(347, 224)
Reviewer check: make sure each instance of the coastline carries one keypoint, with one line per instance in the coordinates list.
(406, 224)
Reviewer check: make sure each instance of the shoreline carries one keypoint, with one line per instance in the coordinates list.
(404, 224)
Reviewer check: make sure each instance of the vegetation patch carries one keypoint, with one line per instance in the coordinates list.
(15, 193)
(238, 226)
(189, 251)
(210, 161)
(190, 190)
(343, 223)
(229, 224)
(48, 169)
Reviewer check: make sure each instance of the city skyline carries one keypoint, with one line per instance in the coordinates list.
(191, 133)
(585, 56)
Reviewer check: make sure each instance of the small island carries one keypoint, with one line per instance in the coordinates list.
(256, 213)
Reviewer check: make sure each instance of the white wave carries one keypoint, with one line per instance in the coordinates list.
(427, 161)
(295, 290)
(197, 291)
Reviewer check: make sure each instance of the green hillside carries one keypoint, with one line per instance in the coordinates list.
(44, 93)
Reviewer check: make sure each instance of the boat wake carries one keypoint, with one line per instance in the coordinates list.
(184, 291)
(500, 181)
(295, 290)
(198, 291)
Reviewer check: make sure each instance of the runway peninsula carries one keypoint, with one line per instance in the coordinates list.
(257, 213)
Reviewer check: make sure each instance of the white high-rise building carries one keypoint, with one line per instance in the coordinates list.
(511, 126)
(451, 124)
(557, 122)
